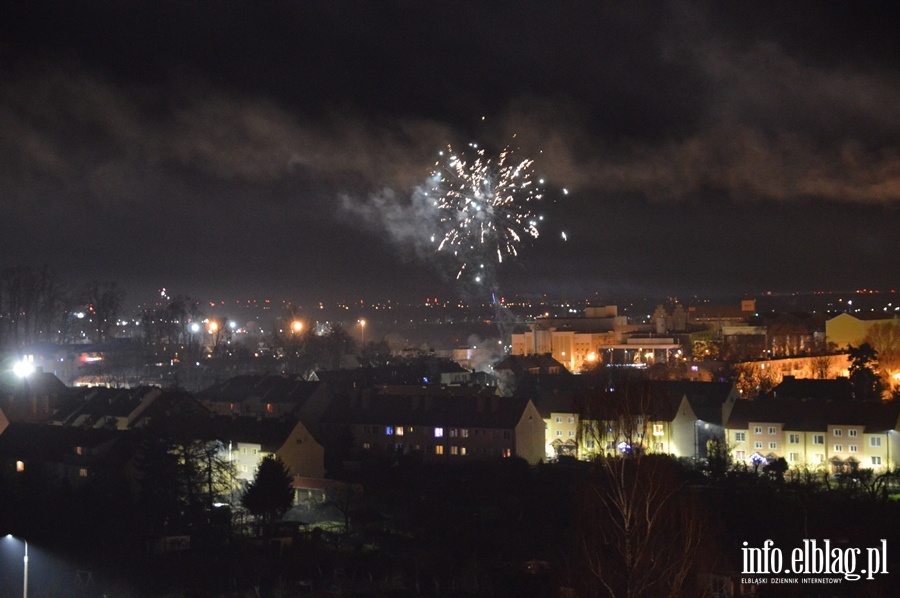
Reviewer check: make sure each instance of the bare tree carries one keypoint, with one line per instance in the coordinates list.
(104, 300)
(884, 337)
(641, 528)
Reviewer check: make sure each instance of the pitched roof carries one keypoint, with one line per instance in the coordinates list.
(44, 442)
(650, 401)
(521, 364)
(705, 398)
(426, 409)
(282, 388)
(269, 433)
(96, 402)
(802, 415)
(808, 388)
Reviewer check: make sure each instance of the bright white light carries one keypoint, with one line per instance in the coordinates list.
(195, 327)
(23, 368)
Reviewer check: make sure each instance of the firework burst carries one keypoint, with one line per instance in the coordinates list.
(484, 206)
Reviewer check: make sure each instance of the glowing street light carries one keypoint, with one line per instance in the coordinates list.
(25, 582)
(23, 368)
(296, 326)
(362, 331)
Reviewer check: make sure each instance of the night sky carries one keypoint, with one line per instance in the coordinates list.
(271, 149)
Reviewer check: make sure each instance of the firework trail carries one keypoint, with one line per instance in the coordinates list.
(484, 208)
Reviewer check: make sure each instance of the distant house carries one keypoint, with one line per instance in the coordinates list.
(268, 396)
(708, 401)
(247, 441)
(32, 398)
(124, 408)
(439, 424)
(673, 417)
(829, 435)
(523, 374)
(73, 455)
(845, 329)
(647, 418)
(839, 389)
(426, 370)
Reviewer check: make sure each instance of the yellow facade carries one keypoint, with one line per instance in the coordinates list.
(829, 449)
(844, 330)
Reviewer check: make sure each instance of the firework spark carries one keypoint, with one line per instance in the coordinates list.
(484, 206)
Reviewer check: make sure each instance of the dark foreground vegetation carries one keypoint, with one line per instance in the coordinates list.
(640, 526)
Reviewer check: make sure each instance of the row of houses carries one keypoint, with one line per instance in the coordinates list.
(82, 432)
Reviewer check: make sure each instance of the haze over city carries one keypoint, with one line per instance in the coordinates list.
(273, 150)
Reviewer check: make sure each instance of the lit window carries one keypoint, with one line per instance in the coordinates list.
(838, 432)
(464, 432)
(658, 430)
(366, 445)
(399, 430)
(794, 439)
(20, 465)
(740, 437)
(851, 433)
(79, 450)
(462, 451)
(388, 431)
(507, 452)
(439, 449)
(269, 407)
(454, 450)
(876, 460)
(875, 441)
(82, 472)
(439, 432)
(771, 429)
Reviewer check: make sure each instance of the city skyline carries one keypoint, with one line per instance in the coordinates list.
(686, 148)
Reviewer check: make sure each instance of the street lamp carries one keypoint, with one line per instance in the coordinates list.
(362, 331)
(25, 583)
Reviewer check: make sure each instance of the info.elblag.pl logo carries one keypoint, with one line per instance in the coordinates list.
(815, 557)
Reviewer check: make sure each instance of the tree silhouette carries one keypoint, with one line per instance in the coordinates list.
(864, 376)
(270, 494)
